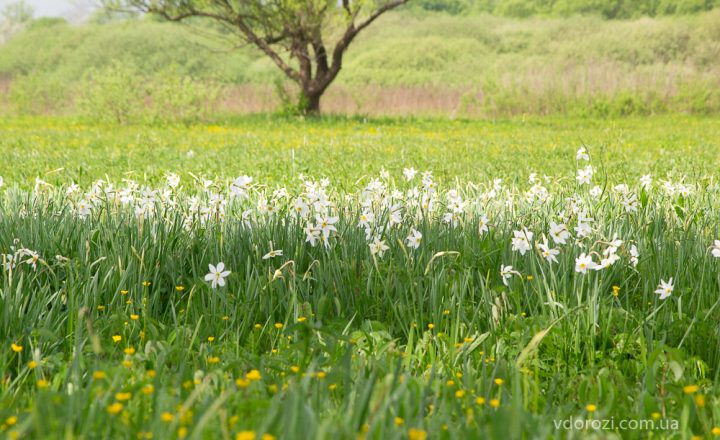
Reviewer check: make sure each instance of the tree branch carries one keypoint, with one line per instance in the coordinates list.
(352, 31)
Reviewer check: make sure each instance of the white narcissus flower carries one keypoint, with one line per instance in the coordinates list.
(665, 289)
(33, 257)
(312, 234)
(301, 208)
(395, 216)
(559, 233)
(582, 154)
(217, 275)
(366, 219)
(326, 225)
(9, 261)
(409, 173)
(548, 253)
(83, 208)
(173, 180)
(2, 182)
(240, 186)
(414, 239)
(584, 263)
(584, 175)
(634, 255)
(646, 181)
(272, 254)
(506, 272)
(716, 249)
(482, 224)
(521, 241)
(583, 228)
(378, 247)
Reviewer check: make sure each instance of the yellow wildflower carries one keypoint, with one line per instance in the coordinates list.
(115, 408)
(689, 389)
(246, 435)
(416, 434)
(253, 375)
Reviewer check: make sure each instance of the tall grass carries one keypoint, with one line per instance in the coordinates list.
(115, 333)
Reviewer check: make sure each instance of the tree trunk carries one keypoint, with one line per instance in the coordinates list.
(310, 103)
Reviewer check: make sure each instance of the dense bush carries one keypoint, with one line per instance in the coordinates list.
(121, 94)
(32, 95)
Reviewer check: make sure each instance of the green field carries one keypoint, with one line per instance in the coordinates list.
(61, 150)
(401, 306)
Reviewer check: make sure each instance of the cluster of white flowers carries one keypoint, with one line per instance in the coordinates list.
(379, 207)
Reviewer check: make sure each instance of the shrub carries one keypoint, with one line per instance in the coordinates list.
(35, 95)
(122, 95)
(113, 94)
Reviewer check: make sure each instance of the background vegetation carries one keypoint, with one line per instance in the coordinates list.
(611, 9)
(414, 61)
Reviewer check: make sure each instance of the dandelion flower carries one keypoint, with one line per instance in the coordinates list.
(416, 434)
(115, 408)
(690, 389)
(253, 375)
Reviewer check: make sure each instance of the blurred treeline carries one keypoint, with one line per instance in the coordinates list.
(470, 61)
(610, 9)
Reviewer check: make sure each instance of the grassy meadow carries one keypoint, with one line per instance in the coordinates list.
(277, 150)
(505, 225)
(383, 278)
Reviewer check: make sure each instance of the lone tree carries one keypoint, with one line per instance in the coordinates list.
(283, 30)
